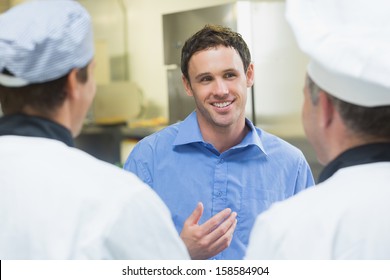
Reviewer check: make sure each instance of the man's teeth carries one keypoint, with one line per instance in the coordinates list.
(221, 105)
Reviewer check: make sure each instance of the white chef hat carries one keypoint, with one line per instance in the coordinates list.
(43, 40)
(348, 42)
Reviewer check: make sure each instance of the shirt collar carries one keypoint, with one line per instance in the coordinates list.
(23, 125)
(369, 153)
(189, 132)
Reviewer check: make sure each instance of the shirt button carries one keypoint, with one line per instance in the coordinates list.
(219, 194)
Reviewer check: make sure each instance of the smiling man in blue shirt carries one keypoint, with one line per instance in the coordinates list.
(216, 161)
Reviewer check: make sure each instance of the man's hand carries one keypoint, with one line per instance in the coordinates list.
(207, 240)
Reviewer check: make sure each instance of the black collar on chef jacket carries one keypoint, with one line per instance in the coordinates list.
(24, 125)
(369, 153)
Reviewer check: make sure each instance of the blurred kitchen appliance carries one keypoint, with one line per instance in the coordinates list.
(279, 64)
(117, 102)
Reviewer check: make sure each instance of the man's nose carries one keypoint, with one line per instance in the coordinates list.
(220, 87)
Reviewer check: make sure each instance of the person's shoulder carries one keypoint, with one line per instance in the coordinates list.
(275, 144)
(166, 134)
(96, 180)
(286, 226)
(129, 188)
(295, 206)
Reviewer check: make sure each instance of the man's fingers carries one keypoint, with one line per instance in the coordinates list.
(195, 216)
(216, 220)
(225, 239)
(223, 228)
(209, 239)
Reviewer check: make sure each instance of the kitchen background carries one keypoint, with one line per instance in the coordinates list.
(139, 91)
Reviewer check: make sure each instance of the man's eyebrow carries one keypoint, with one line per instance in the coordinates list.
(197, 77)
(208, 73)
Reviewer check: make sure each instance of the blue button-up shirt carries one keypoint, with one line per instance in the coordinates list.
(184, 170)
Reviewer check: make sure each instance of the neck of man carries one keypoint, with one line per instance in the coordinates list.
(347, 139)
(224, 137)
(57, 116)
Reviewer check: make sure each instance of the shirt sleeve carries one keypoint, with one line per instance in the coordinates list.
(137, 163)
(305, 177)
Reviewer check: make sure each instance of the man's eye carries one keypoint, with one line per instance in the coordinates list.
(229, 75)
(206, 79)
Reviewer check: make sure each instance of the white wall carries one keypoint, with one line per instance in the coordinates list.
(280, 68)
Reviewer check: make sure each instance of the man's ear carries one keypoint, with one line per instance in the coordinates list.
(72, 85)
(187, 85)
(250, 75)
(326, 109)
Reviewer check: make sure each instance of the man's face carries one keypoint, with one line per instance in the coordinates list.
(88, 91)
(311, 125)
(219, 85)
(91, 83)
(307, 108)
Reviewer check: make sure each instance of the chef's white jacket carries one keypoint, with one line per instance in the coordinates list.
(345, 217)
(57, 202)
